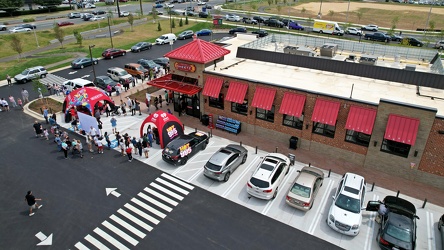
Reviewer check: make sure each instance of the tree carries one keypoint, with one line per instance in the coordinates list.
(303, 10)
(59, 34)
(331, 13)
(154, 14)
(17, 44)
(181, 23)
(270, 2)
(79, 37)
(186, 20)
(141, 10)
(159, 28)
(131, 20)
(39, 87)
(10, 6)
(395, 21)
(359, 14)
(173, 24)
(253, 6)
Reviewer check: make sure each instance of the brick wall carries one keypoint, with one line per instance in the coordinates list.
(433, 158)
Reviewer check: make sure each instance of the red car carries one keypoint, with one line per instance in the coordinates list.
(60, 24)
(111, 53)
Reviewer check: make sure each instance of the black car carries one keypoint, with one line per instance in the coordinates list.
(398, 225)
(274, 23)
(29, 26)
(286, 21)
(162, 61)
(103, 81)
(260, 33)
(141, 46)
(259, 19)
(98, 12)
(413, 42)
(203, 14)
(148, 64)
(179, 150)
(80, 63)
(237, 30)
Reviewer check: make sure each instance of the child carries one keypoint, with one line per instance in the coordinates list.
(122, 147)
(129, 151)
(20, 103)
(46, 134)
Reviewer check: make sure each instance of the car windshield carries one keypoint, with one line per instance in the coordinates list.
(108, 80)
(213, 167)
(300, 190)
(25, 72)
(347, 203)
(399, 233)
(259, 183)
(122, 73)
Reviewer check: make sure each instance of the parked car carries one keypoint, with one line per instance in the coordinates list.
(87, 16)
(61, 24)
(148, 64)
(185, 35)
(249, 20)
(237, 30)
(396, 38)
(77, 83)
(413, 42)
(295, 26)
(183, 147)
(209, 7)
(103, 82)
(353, 31)
(439, 44)
(345, 214)
(398, 225)
(89, 6)
(159, 13)
(124, 14)
(232, 18)
(225, 161)
(141, 46)
(259, 19)
(370, 27)
(136, 70)
(268, 176)
(29, 26)
(199, 3)
(98, 12)
(377, 36)
(111, 53)
(441, 229)
(203, 14)
(19, 30)
(3, 27)
(82, 62)
(287, 21)
(158, 5)
(166, 39)
(204, 32)
(162, 61)
(168, 5)
(74, 15)
(30, 74)
(192, 13)
(119, 75)
(274, 23)
(304, 188)
(260, 33)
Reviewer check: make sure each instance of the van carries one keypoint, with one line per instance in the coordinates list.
(136, 70)
(77, 84)
(119, 75)
(166, 38)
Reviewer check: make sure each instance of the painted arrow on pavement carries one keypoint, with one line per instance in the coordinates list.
(85, 76)
(72, 72)
(112, 191)
(45, 241)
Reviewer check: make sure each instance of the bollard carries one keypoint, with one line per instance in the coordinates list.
(276, 149)
(209, 135)
(397, 194)
(211, 132)
(256, 149)
(195, 130)
(309, 164)
(423, 204)
(329, 172)
(241, 143)
(373, 186)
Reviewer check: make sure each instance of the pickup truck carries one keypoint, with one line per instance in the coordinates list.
(377, 36)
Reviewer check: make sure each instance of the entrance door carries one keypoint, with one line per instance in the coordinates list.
(191, 103)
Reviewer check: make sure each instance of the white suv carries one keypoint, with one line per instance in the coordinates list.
(266, 179)
(345, 213)
(119, 75)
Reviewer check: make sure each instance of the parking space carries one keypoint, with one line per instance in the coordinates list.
(312, 222)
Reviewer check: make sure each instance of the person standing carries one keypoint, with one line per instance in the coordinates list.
(109, 89)
(160, 100)
(108, 142)
(46, 134)
(148, 101)
(114, 124)
(170, 96)
(107, 110)
(133, 107)
(12, 101)
(89, 143)
(166, 97)
(31, 200)
(129, 102)
(25, 95)
(156, 103)
(99, 125)
(40, 92)
(129, 151)
(38, 129)
(65, 148)
(137, 106)
(20, 103)
(92, 132)
(8, 78)
(45, 114)
(156, 135)
(145, 145)
(118, 88)
(139, 146)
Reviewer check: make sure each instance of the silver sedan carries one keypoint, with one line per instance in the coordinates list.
(225, 161)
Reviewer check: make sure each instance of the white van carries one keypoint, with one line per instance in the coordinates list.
(166, 38)
(77, 83)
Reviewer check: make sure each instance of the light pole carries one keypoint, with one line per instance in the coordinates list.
(36, 40)
(348, 8)
(110, 35)
(428, 18)
(320, 11)
(90, 55)
(171, 24)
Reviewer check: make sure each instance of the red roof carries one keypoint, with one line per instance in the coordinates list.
(325, 111)
(292, 104)
(212, 86)
(198, 51)
(361, 119)
(401, 129)
(263, 98)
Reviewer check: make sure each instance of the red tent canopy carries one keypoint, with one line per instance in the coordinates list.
(168, 125)
(86, 97)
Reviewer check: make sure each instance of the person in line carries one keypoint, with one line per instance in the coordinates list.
(25, 95)
(107, 110)
(122, 147)
(65, 149)
(156, 135)
(89, 143)
(108, 142)
(145, 145)
(137, 106)
(58, 141)
(160, 100)
(8, 79)
(122, 107)
(129, 151)
(20, 103)
(79, 148)
(45, 114)
(139, 146)
(31, 200)
(12, 101)
(156, 103)
(38, 129)
(133, 107)
(46, 134)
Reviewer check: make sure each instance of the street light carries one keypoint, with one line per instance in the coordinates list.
(36, 40)
(90, 55)
(320, 11)
(110, 35)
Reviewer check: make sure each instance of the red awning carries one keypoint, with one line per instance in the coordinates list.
(361, 119)
(263, 98)
(326, 112)
(401, 129)
(236, 92)
(165, 82)
(292, 104)
(212, 86)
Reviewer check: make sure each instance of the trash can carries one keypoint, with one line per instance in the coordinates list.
(294, 142)
(205, 120)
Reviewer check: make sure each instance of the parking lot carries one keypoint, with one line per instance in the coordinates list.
(312, 222)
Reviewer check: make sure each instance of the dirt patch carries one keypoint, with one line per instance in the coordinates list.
(354, 6)
(52, 105)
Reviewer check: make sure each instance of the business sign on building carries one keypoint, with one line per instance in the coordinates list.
(185, 67)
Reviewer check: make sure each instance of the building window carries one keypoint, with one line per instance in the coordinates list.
(240, 108)
(293, 121)
(267, 115)
(217, 102)
(395, 148)
(324, 129)
(357, 138)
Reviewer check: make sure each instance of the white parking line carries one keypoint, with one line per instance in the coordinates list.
(240, 177)
(95, 242)
(110, 239)
(370, 230)
(127, 226)
(270, 204)
(430, 231)
(321, 206)
(195, 175)
(120, 233)
(189, 170)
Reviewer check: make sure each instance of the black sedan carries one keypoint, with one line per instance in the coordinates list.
(29, 26)
(163, 61)
(413, 42)
(98, 12)
(82, 62)
(179, 150)
(148, 64)
(103, 82)
(237, 30)
(398, 224)
(141, 46)
(260, 33)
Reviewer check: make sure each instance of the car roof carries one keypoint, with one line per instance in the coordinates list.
(267, 167)
(400, 206)
(183, 139)
(352, 184)
(308, 176)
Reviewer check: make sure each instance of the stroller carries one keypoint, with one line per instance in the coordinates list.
(116, 110)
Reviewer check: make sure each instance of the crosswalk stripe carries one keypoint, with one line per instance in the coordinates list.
(149, 208)
(155, 202)
(174, 203)
(128, 226)
(120, 233)
(142, 214)
(110, 239)
(171, 178)
(166, 191)
(80, 246)
(170, 185)
(135, 220)
(95, 242)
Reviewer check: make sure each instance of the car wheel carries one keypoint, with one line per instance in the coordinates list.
(123, 53)
(81, 66)
(227, 176)
(184, 160)
(275, 193)
(43, 76)
(111, 57)
(95, 62)
(244, 159)
(368, 38)
(204, 146)
(138, 50)
(321, 32)
(419, 45)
